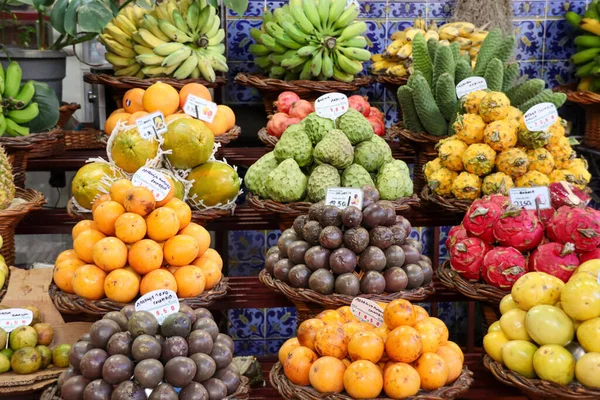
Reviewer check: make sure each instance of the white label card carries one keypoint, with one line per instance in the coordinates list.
(12, 318)
(540, 117)
(469, 85)
(367, 311)
(331, 105)
(153, 180)
(344, 197)
(160, 303)
(151, 125)
(528, 197)
(200, 108)
(598, 277)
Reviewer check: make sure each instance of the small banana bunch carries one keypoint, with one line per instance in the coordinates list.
(16, 107)
(397, 58)
(181, 39)
(311, 39)
(587, 59)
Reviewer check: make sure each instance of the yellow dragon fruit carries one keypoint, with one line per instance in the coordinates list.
(450, 152)
(514, 115)
(579, 168)
(441, 180)
(466, 186)
(494, 106)
(540, 160)
(479, 159)
(469, 128)
(561, 150)
(500, 135)
(497, 182)
(430, 167)
(532, 139)
(471, 101)
(512, 162)
(557, 130)
(564, 175)
(533, 178)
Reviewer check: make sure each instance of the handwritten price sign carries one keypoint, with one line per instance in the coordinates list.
(200, 108)
(331, 105)
(344, 197)
(160, 303)
(367, 311)
(540, 117)
(469, 85)
(531, 198)
(12, 318)
(154, 181)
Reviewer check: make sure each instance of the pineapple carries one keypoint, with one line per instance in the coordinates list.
(466, 186)
(497, 182)
(540, 160)
(494, 106)
(471, 101)
(430, 167)
(479, 159)
(450, 152)
(7, 184)
(561, 150)
(469, 128)
(533, 178)
(500, 135)
(441, 180)
(579, 168)
(557, 130)
(512, 162)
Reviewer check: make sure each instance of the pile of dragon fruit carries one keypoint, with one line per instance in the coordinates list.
(498, 242)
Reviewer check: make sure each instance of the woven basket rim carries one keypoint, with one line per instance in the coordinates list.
(34, 200)
(269, 140)
(473, 290)
(229, 136)
(390, 79)
(398, 130)
(583, 97)
(450, 204)
(263, 83)
(128, 82)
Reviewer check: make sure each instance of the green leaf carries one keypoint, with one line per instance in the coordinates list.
(214, 3)
(93, 17)
(71, 16)
(239, 6)
(57, 16)
(48, 104)
(37, 4)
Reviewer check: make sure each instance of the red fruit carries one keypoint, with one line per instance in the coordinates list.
(360, 104)
(500, 200)
(466, 257)
(480, 219)
(502, 267)
(590, 255)
(285, 101)
(300, 109)
(277, 124)
(378, 126)
(580, 226)
(555, 259)
(519, 228)
(564, 194)
(545, 216)
(375, 112)
(455, 234)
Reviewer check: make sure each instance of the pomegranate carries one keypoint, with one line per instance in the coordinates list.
(301, 108)
(590, 255)
(375, 112)
(519, 228)
(502, 266)
(480, 219)
(466, 257)
(360, 104)
(555, 259)
(285, 101)
(455, 234)
(378, 126)
(580, 226)
(277, 124)
(564, 194)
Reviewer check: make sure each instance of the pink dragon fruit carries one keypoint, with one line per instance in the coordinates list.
(480, 219)
(590, 255)
(545, 215)
(455, 234)
(565, 194)
(502, 266)
(580, 226)
(466, 257)
(555, 259)
(519, 228)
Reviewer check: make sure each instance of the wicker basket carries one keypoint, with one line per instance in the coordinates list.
(267, 139)
(10, 218)
(289, 391)
(18, 151)
(46, 144)
(66, 112)
(473, 290)
(68, 303)
(450, 204)
(391, 83)
(270, 88)
(590, 102)
(537, 388)
(224, 139)
(83, 139)
(122, 84)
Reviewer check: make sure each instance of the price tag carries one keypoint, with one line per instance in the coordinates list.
(469, 85)
(12, 318)
(200, 108)
(528, 197)
(344, 197)
(151, 125)
(331, 105)
(153, 180)
(367, 311)
(160, 303)
(540, 117)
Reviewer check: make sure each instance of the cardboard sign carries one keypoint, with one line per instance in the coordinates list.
(367, 311)
(160, 303)
(151, 125)
(531, 198)
(331, 105)
(12, 318)
(200, 108)
(153, 180)
(344, 197)
(469, 85)
(540, 117)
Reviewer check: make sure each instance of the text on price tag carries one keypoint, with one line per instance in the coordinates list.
(12, 318)
(160, 303)
(152, 180)
(344, 197)
(540, 117)
(200, 108)
(531, 198)
(331, 105)
(469, 85)
(367, 311)
(151, 125)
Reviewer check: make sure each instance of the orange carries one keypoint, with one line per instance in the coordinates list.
(331, 317)
(121, 285)
(132, 100)
(346, 313)
(118, 190)
(326, 375)
(63, 273)
(117, 111)
(457, 349)
(212, 272)
(420, 313)
(84, 243)
(172, 269)
(183, 211)
(83, 226)
(88, 282)
(431, 337)
(297, 365)
(66, 255)
(331, 340)
(383, 331)
(366, 346)
(433, 371)
(180, 250)
(443, 329)
(453, 362)
(169, 195)
(110, 253)
(173, 117)
(211, 254)
(286, 348)
(400, 380)
(103, 198)
(113, 120)
(399, 312)
(196, 89)
(145, 256)
(106, 215)
(139, 278)
(352, 328)
(199, 233)
(162, 224)
(224, 120)
(130, 227)
(156, 280)
(190, 281)
(363, 380)
(139, 200)
(133, 117)
(307, 331)
(161, 97)
(404, 344)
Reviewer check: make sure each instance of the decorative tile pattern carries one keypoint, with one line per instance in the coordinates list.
(440, 10)
(239, 40)
(524, 9)
(559, 72)
(247, 323)
(281, 323)
(377, 34)
(531, 69)
(406, 9)
(558, 40)
(530, 40)
(372, 9)
(559, 8)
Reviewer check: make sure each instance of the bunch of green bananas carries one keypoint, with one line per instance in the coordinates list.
(587, 58)
(16, 107)
(311, 39)
(177, 38)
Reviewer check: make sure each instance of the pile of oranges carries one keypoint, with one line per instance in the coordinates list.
(335, 352)
(163, 97)
(134, 245)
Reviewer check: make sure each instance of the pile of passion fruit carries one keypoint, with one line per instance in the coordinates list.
(351, 251)
(127, 355)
